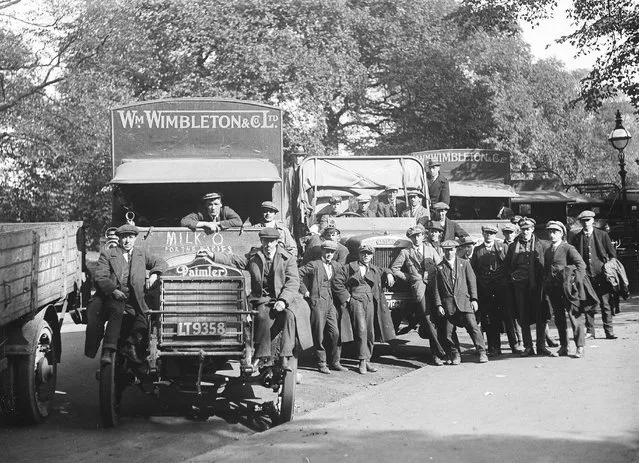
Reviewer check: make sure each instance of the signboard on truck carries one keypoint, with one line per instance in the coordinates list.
(470, 164)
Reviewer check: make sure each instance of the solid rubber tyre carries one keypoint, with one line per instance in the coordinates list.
(287, 393)
(37, 374)
(110, 394)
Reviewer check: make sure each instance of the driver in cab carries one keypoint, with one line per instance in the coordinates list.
(214, 217)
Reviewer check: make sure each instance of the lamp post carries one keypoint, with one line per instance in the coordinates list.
(619, 138)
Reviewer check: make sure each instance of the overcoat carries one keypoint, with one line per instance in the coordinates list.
(286, 283)
(455, 287)
(349, 277)
(603, 247)
(418, 272)
(439, 190)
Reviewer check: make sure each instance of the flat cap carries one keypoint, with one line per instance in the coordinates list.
(415, 230)
(127, 229)
(509, 228)
(329, 228)
(335, 200)
(269, 233)
(464, 240)
(527, 222)
(489, 228)
(269, 205)
(363, 198)
(556, 225)
(585, 215)
(433, 163)
(449, 244)
(211, 196)
(415, 192)
(329, 245)
(441, 206)
(366, 248)
(391, 187)
(435, 226)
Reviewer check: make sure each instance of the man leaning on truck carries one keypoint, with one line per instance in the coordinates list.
(214, 217)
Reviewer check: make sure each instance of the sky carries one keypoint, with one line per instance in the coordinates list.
(542, 39)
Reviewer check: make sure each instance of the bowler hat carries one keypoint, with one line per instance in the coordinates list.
(127, 229)
(489, 228)
(449, 244)
(211, 196)
(298, 150)
(441, 206)
(433, 163)
(329, 245)
(415, 230)
(269, 233)
(366, 248)
(585, 215)
(270, 205)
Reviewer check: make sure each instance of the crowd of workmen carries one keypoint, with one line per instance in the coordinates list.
(325, 297)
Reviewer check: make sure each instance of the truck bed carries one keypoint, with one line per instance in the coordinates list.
(40, 263)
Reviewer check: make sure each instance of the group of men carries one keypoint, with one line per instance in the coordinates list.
(502, 286)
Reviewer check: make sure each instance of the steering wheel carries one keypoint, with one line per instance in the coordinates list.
(348, 214)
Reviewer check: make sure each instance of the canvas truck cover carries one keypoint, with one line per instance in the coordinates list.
(197, 140)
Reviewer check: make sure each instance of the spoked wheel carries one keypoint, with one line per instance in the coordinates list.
(37, 374)
(111, 389)
(287, 393)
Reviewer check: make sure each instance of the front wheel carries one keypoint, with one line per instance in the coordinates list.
(37, 374)
(110, 393)
(287, 393)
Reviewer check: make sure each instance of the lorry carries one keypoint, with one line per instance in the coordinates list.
(41, 273)
(166, 155)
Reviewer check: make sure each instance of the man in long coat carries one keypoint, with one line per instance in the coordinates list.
(360, 286)
(275, 284)
(120, 280)
(456, 301)
(316, 286)
(438, 185)
(596, 248)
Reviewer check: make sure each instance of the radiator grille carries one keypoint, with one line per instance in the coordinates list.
(203, 314)
(384, 257)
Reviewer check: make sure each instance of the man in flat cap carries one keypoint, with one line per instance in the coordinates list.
(451, 228)
(415, 207)
(326, 215)
(120, 280)
(438, 186)
(390, 205)
(466, 247)
(214, 216)
(564, 269)
(456, 302)
(525, 265)
(269, 214)
(434, 232)
(313, 249)
(416, 266)
(363, 206)
(488, 262)
(316, 285)
(509, 231)
(596, 248)
(275, 284)
(360, 287)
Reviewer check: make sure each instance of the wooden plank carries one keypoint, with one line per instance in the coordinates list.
(34, 269)
(15, 272)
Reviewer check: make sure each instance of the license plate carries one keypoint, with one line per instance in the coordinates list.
(201, 328)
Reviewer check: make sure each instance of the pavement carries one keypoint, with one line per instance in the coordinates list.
(536, 409)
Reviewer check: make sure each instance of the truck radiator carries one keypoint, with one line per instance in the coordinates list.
(384, 257)
(209, 315)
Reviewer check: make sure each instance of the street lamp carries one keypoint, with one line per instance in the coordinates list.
(619, 138)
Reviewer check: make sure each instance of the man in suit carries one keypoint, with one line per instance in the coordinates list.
(120, 280)
(269, 212)
(213, 217)
(390, 205)
(363, 206)
(326, 215)
(415, 207)
(275, 284)
(316, 286)
(456, 302)
(314, 246)
(558, 256)
(438, 186)
(493, 292)
(359, 285)
(596, 248)
(451, 228)
(416, 266)
(525, 265)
